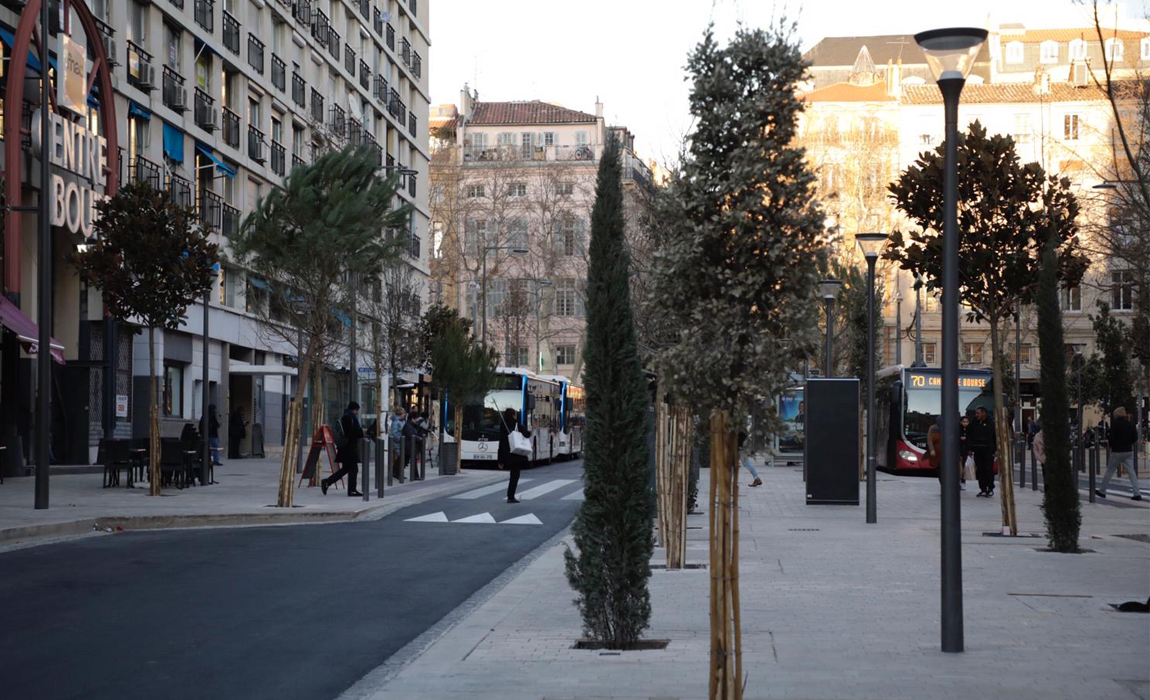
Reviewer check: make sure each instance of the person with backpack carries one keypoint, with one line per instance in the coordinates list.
(347, 453)
(508, 459)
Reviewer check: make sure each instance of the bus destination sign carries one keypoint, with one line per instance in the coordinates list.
(918, 379)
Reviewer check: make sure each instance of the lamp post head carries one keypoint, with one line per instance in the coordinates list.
(1105, 185)
(871, 244)
(519, 251)
(829, 288)
(950, 52)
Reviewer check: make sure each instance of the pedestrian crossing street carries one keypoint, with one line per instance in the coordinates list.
(559, 487)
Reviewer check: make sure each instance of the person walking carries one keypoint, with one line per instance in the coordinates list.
(348, 453)
(1038, 447)
(745, 460)
(507, 460)
(395, 433)
(1123, 437)
(934, 446)
(237, 431)
(981, 440)
(213, 433)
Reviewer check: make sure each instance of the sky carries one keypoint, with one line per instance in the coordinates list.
(630, 54)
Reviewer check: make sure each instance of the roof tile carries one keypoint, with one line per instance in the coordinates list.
(533, 112)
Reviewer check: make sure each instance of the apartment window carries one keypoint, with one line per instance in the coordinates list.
(297, 141)
(930, 302)
(505, 139)
(1014, 52)
(517, 233)
(520, 355)
(1071, 298)
(173, 45)
(517, 189)
(474, 191)
(565, 189)
(478, 142)
(1122, 290)
(929, 353)
(1146, 49)
(137, 137)
(569, 238)
(1115, 49)
(1070, 127)
(549, 138)
(580, 138)
(1022, 128)
(1049, 52)
(566, 297)
(528, 144)
(474, 233)
(496, 296)
(1026, 353)
(173, 390)
(137, 23)
(227, 286)
(1077, 49)
(972, 353)
(564, 354)
(204, 72)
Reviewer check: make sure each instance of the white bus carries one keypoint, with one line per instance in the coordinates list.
(568, 439)
(537, 400)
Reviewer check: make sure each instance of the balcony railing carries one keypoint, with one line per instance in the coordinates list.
(211, 209)
(355, 132)
(205, 112)
(231, 33)
(411, 123)
(230, 218)
(175, 94)
(338, 121)
(206, 14)
(415, 246)
(178, 4)
(180, 190)
(278, 157)
(390, 162)
(396, 107)
(144, 170)
(316, 105)
(377, 22)
(296, 161)
(390, 37)
(108, 36)
(364, 7)
(298, 89)
(349, 59)
(141, 73)
(405, 51)
(320, 27)
(378, 150)
(381, 89)
(255, 53)
(231, 128)
(580, 152)
(279, 73)
(411, 184)
(256, 144)
(301, 10)
(333, 44)
(417, 65)
(364, 75)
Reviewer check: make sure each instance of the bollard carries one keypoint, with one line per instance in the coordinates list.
(1033, 470)
(363, 444)
(1093, 469)
(1022, 463)
(380, 464)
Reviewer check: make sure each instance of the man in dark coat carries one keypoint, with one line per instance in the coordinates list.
(507, 460)
(1123, 442)
(237, 430)
(348, 453)
(213, 434)
(982, 441)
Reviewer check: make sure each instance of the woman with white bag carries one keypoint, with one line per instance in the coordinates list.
(514, 449)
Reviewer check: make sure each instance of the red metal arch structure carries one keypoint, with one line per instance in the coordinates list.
(14, 130)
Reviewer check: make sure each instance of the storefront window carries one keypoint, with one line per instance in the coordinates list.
(173, 397)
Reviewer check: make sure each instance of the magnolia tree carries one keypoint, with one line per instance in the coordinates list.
(151, 264)
(1003, 214)
(736, 277)
(326, 225)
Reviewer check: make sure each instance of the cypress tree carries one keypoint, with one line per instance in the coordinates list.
(1060, 501)
(613, 530)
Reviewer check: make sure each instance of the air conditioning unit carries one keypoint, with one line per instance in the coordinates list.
(148, 76)
(112, 51)
(180, 99)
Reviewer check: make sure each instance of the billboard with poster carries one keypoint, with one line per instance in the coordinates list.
(792, 411)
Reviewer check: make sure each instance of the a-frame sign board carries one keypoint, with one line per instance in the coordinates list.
(325, 441)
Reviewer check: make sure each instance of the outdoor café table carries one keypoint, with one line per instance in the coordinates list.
(139, 452)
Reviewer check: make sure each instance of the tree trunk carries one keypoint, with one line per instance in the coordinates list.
(458, 438)
(317, 408)
(726, 661)
(1002, 430)
(153, 419)
(286, 496)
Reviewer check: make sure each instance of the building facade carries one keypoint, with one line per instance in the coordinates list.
(216, 101)
(861, 132)
(513, 184)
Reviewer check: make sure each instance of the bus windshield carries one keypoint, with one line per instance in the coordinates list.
(924, 401)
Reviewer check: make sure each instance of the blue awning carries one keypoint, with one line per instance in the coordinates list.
(342, 316)
(9, 40)
(259, 283)
(173, 143)
(135, 109)
(200, 45)
(220, 165)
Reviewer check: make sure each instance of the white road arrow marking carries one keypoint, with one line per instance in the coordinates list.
(484, 518)
(439, 517)
(528, 519)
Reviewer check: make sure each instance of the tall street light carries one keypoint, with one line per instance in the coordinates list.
(829, 288)
(918, 361)
(871, 245)
(898, 326)
(515, 250)
(950, 53)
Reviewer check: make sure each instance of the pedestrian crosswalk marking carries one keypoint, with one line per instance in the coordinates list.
(439, 517)
(575, 496)
(544, 489)
(484, 518)
(486, 490)
(528, 519)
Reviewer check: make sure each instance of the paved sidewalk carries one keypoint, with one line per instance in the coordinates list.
(832, 608)
(245, 495)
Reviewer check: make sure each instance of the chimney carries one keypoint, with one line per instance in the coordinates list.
(465, 101)
(598, 108)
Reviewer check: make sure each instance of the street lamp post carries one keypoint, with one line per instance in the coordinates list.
(871, 245)
(515, 250)
(1018, 397)
(829, 288)
(950, 53)
(539, 284)
(918, 361)
(898, 327)
(44, 280)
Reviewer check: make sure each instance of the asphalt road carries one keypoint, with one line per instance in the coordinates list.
(284, 613)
